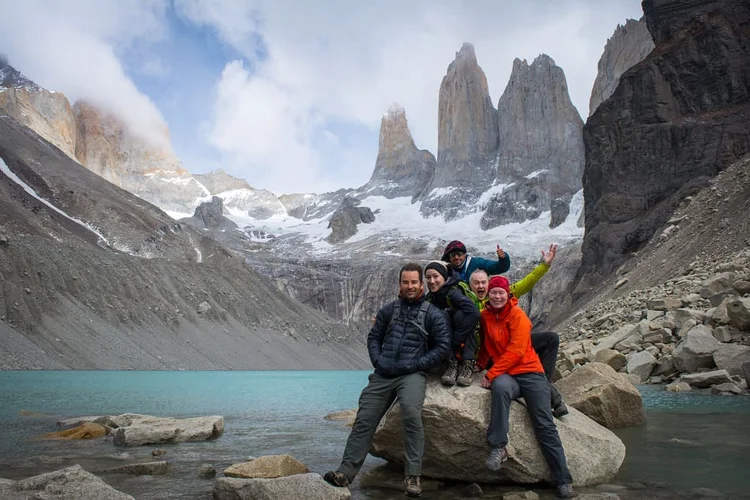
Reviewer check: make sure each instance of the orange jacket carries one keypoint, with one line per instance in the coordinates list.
(506, 340)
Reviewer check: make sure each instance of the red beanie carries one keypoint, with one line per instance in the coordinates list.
(499, 282)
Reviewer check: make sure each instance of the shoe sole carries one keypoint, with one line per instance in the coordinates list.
(494, 468)
(447, 382)
(464, 383)
(413, 495)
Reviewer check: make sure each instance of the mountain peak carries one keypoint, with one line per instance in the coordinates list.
(10, 77)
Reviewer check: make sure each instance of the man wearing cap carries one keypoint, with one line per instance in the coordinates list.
(464, 264)
(517, 372)
(410, 336)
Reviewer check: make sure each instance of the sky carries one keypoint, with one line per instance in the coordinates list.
(286, 94)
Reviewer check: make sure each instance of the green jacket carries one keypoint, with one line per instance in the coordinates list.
(520, 287)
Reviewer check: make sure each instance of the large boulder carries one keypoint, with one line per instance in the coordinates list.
(612, 358)
(269, 466)
(85, 431)
(706, 379)
(641, 364)
(731, 357)
(695, 351)
(604, 395)
(155, 430)
(455, 424)
(738, 311)
(307, 486)
(157, 468)
(70, 483)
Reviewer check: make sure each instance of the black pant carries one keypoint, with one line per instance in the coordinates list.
(546, 345)
(534, 389)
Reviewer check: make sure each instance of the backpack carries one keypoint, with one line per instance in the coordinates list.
(419, 323)
(466, 290)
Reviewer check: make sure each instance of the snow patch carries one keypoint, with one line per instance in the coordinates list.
(536, 174)
(440, 192)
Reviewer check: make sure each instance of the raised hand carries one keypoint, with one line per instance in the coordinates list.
(548, 257)
(500, 252)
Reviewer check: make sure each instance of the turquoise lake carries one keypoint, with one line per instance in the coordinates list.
(692, 442)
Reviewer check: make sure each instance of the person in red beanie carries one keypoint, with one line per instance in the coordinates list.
(517, 372)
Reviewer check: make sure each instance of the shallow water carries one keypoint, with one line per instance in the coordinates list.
(691, 440)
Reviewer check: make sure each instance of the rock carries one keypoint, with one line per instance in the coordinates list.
(667, 304)
(742, 287)
(723, 334)
(155, 430)
(738, 311)
(731, 357)
(143, 469)
(307, 486)
(210, 215)
(158, 452)
(683, 315)
(457, 452)
(612, 358)
(603, 395)
(662, 335)
(678, 387)
(746, 373)
(473, 491)
(347, 416)
(706, 379)
(618, 336)
(78, 421)
(629, 137)
(641, 364)
(269, 466)
(664, 366)
(204, 307)
(207, 471)
(559, 210)
(344, 220)
(726, 387)
(86, 431)
(716, 284)
(400, 169)
(520, 495)
(67, 484)
(695, 350)
(629, 45)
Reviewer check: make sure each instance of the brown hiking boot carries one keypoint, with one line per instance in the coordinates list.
(451, 372)
(412, 488)
(466, 373)
(336, 478)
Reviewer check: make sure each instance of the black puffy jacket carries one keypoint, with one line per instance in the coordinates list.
(398, 347)
(464, 314)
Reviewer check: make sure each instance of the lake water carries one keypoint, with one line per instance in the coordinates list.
(691, 441)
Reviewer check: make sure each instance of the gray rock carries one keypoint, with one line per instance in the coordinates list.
(726, 387)
(679, 387)
(746, 373)
(684, 314)
(619, 335)
(155, 430)
(559, 210)
(612, 358)
(664, 366)
(716, 284)
(210, 215)
(738, 311)
(742, 287)
(71, 483)
(706, 379)
(203, 307)
(731, 357)
(628, 46)
(666, 304)
(308, 486)
(641, 364)
(521, 495)
(345, 219)
(603, 395)
(206, 471)
(593, 452)
(723, 334)
(695, 351)
(143, 469)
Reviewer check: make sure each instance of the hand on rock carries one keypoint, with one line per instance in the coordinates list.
(486, 382)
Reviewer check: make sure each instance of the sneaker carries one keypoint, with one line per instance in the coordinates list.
(451, 372)
(560, 410)
(496, 458)
(466, 373)
(565, 491)
(336, 478)
(412, 488)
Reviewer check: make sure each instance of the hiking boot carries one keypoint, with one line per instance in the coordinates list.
(496, 458)
(560, 410)
(565, 491)
(466, 373)
(336, 478)
(451, 372)
(412, 488)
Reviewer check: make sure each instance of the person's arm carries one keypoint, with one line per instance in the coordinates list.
(493, 266)
(525, 284)
(439, 342)
(520, 338)
(465, 317)
(377, 333)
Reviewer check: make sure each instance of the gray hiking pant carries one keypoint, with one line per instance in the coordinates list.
(374, 402)
(534, 388)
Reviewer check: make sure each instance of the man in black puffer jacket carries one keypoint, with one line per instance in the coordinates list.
(409, 337)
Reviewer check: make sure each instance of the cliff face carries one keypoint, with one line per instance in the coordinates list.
(105, 147)
(219, 181)
(628, 46)
(541, 143)
(400, 169)
(676, 119)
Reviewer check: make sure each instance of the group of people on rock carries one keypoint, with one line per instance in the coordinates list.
(467, 321)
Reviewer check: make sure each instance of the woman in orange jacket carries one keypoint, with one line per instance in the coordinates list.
(517, 372)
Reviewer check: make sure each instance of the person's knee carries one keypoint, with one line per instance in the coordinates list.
(503, 386)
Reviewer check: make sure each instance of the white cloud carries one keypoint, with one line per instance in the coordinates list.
(346, 62)
(76, 47)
